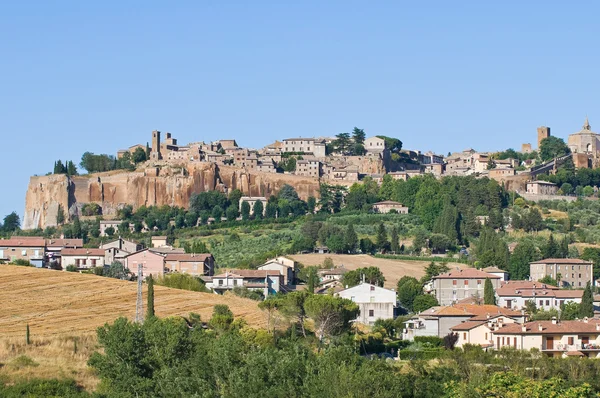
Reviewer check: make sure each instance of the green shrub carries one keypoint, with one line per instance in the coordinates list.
(21, 262)
(42, 388)
(23, 361)
(424, 354)
(71, 268)
(434, 341)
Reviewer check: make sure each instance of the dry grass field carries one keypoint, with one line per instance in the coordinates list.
(64, 307)
(393, 270)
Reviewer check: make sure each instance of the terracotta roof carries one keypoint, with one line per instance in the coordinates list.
(23, 241)
(82, 252)
(541, 293)
(568, 293)
(64, 242)
(562, 327)
(561, 261)
(388, 202)
(575, 354)
(469, 273)
(526, 285)
(187, 257)
(248, 273)
(468, 325)
(159, 237)
(472, 310)
(493, 269)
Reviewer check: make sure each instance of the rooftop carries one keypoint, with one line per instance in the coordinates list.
(591, 326)
(561, 261)
(187, 257)
(469, 273)
(82, 252)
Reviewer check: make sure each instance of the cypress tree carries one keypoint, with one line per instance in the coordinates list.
(395, 244)
(150, 313)
(350, 239)
(586, 308)
(27, 340)
(381, 239)
(551, 250)
(489, 296)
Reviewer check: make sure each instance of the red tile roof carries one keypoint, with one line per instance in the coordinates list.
(469, 273)
(562, 327)
(468, 325)
(187, 257)
(82, 252)
(561, 261)
(23, 241)
(64, 242)
(248, 273)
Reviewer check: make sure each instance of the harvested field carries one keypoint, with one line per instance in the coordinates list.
(393, 270)
(64, 303)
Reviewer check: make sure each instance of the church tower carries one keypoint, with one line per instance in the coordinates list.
(155, 154)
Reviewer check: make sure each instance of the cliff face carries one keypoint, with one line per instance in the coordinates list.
(168, 185)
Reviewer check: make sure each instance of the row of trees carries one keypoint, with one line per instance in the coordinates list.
(67, 168)
(99, 163)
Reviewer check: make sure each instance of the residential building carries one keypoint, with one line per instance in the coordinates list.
(54, 246)
(82, 258)
(190, 263)
(461, 283)
(516, 294)
(479, 330)
(266, 281)
(438, 321)
(285, 266)
(374, 145)
(388, 205)
(332, 274)
(266, 166)
(308, 168)
(30, 248)
(251, 200)
(541, 188)
(570, 272)
(373, 301)
(497, 271)
(105, 224)
(501, 174)
(305, 145)
(152, 263)
(554, 338)
(122, 244)
(159, 241)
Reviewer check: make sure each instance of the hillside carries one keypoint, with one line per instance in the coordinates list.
(59, 303)
(393, 270)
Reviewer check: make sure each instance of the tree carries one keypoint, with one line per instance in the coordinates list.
(419, 241)
(60, 215)
(342, 143)
(271, 210)
(245, 210)
(551, 249)
(312, 279)
(139, 155)
(372, 275)
(548, 280)
(12, 222)
(288, 193)
(424, 302)
(489, 296)
(553, 147)
(566, 188)
(586, 308)
(358, 135)
(350, 239)
(257, 209)
(332, 315)
(222, 318)
(588, 191)
(311, 203)
(525, 253)
(381, 239)
(395, 240)
(367, 246)
(150, 313)
(270, 306)
(110, 231)
(432, 270)
(116, 270)
(234, 198)
(592, 254)
(569, 311)
(408, 289)
(71, 168)
(231, 213)
(217, 213)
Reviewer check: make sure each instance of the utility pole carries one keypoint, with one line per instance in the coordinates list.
(139, 305)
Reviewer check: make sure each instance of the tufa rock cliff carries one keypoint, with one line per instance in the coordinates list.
(166, 185)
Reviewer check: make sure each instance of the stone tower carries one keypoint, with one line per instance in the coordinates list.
(155, 154)
(543, 132)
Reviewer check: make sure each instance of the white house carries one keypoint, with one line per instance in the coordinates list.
(515, 294)
(82, 258)
(266, 281)
(374, 302)
(497, 272)
(374, 145)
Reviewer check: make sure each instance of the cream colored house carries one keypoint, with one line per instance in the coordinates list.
(373, 301)
(554, 338)
(479, 330)
(284, 265)
(571, 272)
(388, 205)
(374, 145)
(82, 258)
(460, 284)
(541, 188)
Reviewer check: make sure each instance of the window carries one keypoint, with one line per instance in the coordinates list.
(93, 262)
(541, 303)
(23, 252)
(464, 336)
(547, 302)
(372, 288)
(371, 313)
(466, 282)
(372, 299)
(580, 275)
(235, 282)
(486, 336)
(570, 341)
(478, 282)
(220, 282)
(454, 282)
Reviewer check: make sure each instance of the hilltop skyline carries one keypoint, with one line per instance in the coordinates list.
(440, 77)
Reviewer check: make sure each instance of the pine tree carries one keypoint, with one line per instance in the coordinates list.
(586, 308)
(395, 243)
(489, 296)
(150, 313)
(564, 248)
(551, 249)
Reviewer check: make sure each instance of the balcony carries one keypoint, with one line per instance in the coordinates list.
(571, 347)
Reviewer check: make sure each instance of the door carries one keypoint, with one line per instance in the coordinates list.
(549, 343)
(585, 340)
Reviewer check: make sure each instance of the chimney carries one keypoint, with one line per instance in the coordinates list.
(554, 320)
(585, 319)
(540, 327)
(523, 328)
(598, 327)
(488, 316)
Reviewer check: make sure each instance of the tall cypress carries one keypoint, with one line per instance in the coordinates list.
(489, 297)
(150, 297)
(586, 308)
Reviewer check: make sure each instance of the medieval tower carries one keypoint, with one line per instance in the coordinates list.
(155, 154)
(543, 132)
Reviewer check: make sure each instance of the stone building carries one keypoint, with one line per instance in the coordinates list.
(197, 264)
(374, 145)
(542, 132)
(308, 168)
(82, 258)
(305, 145)
(460, 284)
(541, 188)
(251, 200)
(585, 141)
(23, 248)
(572, 272)
(526, 148)
(152, 263)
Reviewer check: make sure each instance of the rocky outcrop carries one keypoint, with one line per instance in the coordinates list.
(159, 185)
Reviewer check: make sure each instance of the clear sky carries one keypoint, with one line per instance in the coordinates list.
(98, 76)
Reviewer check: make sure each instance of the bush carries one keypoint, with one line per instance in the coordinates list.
(424, 354)
(434, 341)
(21, 262)
(42, 388)
(23, 361)
(71, 268)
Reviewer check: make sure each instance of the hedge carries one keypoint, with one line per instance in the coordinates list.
(425, 354)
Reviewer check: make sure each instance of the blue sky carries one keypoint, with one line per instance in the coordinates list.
(99, 76)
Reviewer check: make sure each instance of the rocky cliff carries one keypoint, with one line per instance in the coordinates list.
(160, 185)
